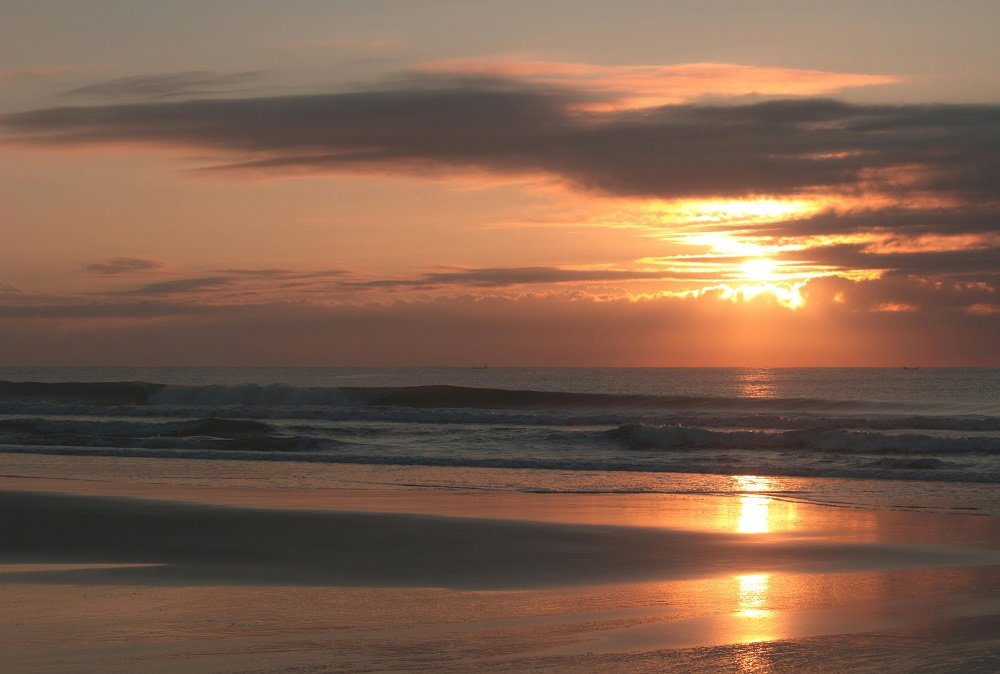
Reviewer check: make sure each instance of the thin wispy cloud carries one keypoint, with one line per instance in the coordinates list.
(179, 286)
(167, 85)
(642, 86)
(502, 277)
(284, 273)
(114, 266)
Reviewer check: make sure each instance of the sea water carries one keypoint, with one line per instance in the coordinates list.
(915, 432)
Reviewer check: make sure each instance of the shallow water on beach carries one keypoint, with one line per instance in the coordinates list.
(611, 582)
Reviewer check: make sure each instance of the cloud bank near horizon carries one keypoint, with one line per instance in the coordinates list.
(533, 329)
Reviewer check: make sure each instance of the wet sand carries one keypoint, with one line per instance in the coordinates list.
(191, 579)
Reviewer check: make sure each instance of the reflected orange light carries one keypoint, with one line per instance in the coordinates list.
(754, 514)
(755, 383)
(754, 517)
(754, 619)
(753, 662)
(752, 595)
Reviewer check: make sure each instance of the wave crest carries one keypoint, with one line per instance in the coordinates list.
(647, 437)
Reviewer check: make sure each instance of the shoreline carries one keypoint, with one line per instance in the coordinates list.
(177, 573)
(238, 482)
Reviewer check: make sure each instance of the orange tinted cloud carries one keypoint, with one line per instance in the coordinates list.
(749, 196)
(640, 86)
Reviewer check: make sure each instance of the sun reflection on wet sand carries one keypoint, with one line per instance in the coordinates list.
(752, 596)
(754, 514)
(753, 661)
(753, 619)
(760, 513)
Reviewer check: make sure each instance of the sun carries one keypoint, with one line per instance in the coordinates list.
(759, 269)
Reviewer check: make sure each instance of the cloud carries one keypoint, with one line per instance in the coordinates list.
(980, 217)
(460, 123)
(239, 285)
(530, 329)
(176, 286)
(122, 265)
(637, 86)
(922, 178)
(167, 85)
(942, 298)
(500, 277)
(284, 273)
(854, 256)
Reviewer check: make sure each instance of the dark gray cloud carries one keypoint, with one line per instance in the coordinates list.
(682, 150)
(283, 273)
(947, 262)
(184, 285)
(969, 218)
(941, 297)
(235, 283)
(499, 277)
(122, 265)
(167, 85)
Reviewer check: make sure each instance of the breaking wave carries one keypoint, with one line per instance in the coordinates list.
(437, 397)
(832, 440)
(444, 425)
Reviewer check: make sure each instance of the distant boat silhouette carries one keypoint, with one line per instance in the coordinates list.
(479, 367)
(915, 367)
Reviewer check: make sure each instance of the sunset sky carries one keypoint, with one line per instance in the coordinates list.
(445, 182)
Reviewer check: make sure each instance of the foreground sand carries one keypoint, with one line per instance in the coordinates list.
(193, 579)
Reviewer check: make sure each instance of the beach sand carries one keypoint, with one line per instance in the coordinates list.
(114, 576)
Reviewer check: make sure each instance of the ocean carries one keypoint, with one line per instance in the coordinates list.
(924, 437)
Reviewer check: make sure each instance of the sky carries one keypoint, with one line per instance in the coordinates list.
(460, 183)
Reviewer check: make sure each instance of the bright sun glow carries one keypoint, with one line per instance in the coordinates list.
(788, 295)
(760, 269)
(742, 210)
(719, 238)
